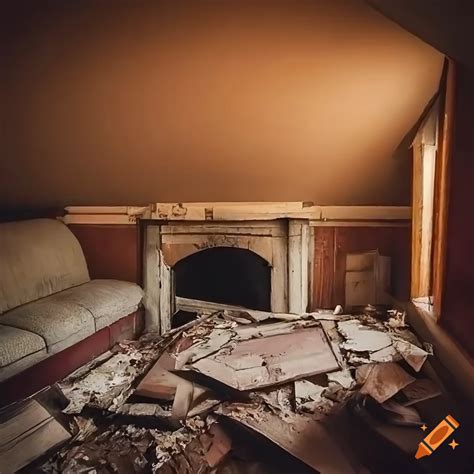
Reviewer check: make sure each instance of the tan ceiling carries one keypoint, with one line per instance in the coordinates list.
(200, 101)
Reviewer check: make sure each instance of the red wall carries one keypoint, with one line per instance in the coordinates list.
(457, 314)
(333, 243)
(111, 251)
(114, 251)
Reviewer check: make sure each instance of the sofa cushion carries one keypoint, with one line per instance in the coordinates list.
(19, 349)
(38, 257)
(107, 300)
(59, 322)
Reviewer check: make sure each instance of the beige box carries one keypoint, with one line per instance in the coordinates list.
(367, 279)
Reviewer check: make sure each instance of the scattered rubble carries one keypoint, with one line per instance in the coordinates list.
(280, 376)
(382, 381)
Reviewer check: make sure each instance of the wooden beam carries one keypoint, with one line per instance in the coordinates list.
(355, 213)
(424, 165)
(442, 185)
(324, 267)
(151, 277)
(233, 211)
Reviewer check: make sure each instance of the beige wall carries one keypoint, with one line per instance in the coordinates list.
(198, 101)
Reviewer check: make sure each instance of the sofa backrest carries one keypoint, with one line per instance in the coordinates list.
(38, 257)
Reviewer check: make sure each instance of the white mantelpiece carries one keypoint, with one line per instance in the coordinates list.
(233, 211)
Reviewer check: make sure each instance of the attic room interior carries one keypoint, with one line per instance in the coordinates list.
(236, 236)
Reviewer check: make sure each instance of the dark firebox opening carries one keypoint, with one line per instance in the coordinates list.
(226, 275)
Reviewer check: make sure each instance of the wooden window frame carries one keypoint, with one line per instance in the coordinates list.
(431, 165)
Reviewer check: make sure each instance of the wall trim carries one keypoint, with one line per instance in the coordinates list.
(236, 211)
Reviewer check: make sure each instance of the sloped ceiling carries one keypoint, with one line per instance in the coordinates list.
(209, 101)
(445, 24)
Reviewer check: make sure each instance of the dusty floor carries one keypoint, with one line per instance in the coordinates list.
(251, 391)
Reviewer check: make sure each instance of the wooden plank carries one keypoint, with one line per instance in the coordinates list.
(456, 313)
(310, 287)
(15, 424)
(28, 434)
(429, 162)
(166, 296)
(417, 207)
(109, 219)
(279, 275)
(324, 263)
(129, 210)
(305, 233)
(268, 229)
(445, 140)
(365, 212)
(376, 223)
(266, 361)
(231, 211)
(151, 265)
(209, 307)
(295, 262)
(424, 165)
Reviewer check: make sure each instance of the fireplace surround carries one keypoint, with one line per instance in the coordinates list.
(284, 244)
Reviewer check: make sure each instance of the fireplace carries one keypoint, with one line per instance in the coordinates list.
(226, 275)
(256, 264)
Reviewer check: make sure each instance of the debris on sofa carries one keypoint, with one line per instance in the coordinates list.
(279, 377)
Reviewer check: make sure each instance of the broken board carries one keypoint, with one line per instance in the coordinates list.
(266, 361)
(27, 432)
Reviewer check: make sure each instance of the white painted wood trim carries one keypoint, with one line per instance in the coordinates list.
(99, 219)
(225, 212)
(129, 210)
(151, 278)
(311, 244)
(404, 223)
(166, 296)
(253, 228)
(382, 213)
(279, 275)
(298, 257)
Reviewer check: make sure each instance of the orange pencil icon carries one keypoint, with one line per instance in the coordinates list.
(436, 437)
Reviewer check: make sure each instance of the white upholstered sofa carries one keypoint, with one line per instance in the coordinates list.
(47, 300)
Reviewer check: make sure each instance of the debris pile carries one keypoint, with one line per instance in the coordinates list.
(160, 403)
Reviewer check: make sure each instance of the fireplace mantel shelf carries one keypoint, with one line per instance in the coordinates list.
(234, 211)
